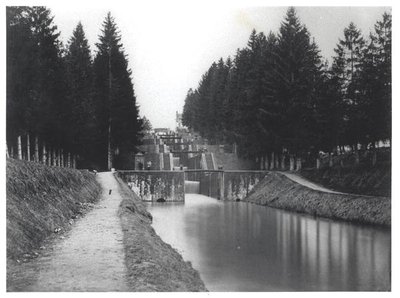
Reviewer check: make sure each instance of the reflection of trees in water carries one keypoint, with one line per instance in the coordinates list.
(333, 255)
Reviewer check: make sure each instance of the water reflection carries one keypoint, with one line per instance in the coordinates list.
(242, 247)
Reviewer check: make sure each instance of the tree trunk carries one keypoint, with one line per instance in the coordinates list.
(318, 163)
(277, 162)
(19, 148)
(36, 157)
(69, 160)
(283, 167)
(12, 152)
(374, 158)
(266, 162)
(330, 160)
(298, 164)
(53, 158)
(109, 157)
(44, 157)
(50, 156)
(58, 158)
(74, 161)
(261, 163)
(291, 163)
(62, 158)
(357, 156)
(272, 161)
(28, 148)
(7, 155)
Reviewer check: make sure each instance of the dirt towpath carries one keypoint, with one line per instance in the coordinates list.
(307, 183)
(90, 257)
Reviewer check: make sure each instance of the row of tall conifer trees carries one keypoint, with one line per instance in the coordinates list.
(65, 98)
(278, 96)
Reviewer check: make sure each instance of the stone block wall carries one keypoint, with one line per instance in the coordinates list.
(153, 185)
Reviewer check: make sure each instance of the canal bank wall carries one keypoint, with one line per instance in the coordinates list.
(278, 191)
(151, 186)
(152, 265)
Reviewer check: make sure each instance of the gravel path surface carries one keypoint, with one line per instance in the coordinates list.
(90, 257)
(307, 183)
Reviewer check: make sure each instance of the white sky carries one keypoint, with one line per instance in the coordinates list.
(171, 44)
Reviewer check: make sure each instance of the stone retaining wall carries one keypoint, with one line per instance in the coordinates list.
(154, 185)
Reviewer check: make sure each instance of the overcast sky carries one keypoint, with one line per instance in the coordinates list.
(171, 46)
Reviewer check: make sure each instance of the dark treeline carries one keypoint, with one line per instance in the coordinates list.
(278, 96)
(64, 96)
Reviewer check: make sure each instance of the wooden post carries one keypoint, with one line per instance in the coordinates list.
(28, 148)
(19, 148)
(36, 157)
(222, 185)
(44, 157)
(291, 163)
(272, 161)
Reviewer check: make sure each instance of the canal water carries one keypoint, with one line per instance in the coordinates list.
(237, 246)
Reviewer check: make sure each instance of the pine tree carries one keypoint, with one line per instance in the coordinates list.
(81, 115)
(376, 82)
(117, 113)
(36, 81)
(346, 67)
(294, 77)
(20, 72)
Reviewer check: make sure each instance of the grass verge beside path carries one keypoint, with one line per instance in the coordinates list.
(278, 191)
(152, 264)
(41, 199)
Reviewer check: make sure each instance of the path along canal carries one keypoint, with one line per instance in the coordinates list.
(237, 246)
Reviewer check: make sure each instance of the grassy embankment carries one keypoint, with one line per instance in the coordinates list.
(152, 264)
(278, 191)
(41, 200)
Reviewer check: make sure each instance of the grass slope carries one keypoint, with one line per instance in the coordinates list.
(152, 264)
(41, 199)
(278, 191)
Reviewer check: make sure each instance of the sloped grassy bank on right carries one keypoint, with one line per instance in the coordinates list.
(278, 191)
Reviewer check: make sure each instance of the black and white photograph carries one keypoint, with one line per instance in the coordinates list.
(197, 146)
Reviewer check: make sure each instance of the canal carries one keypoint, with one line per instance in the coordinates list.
(237, 246)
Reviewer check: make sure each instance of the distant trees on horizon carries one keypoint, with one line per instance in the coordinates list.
(64, 96)
(277, 96)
